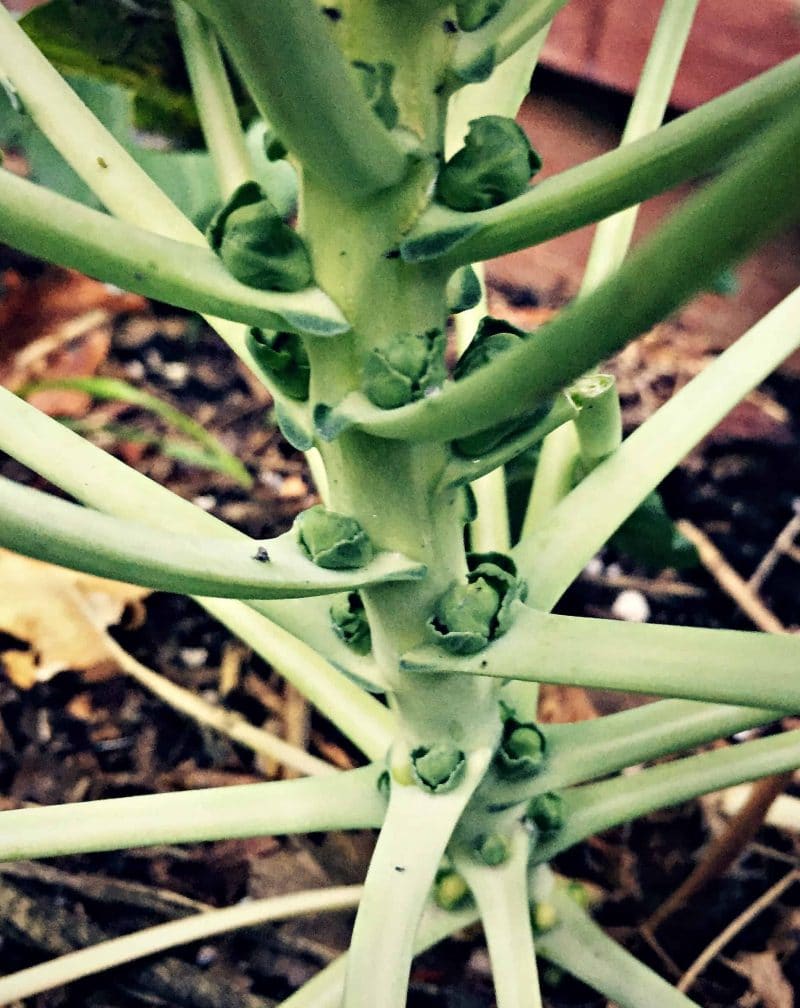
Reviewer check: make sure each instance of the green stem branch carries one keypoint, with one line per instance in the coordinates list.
(214, 100)
(593, 808)
(345, 801)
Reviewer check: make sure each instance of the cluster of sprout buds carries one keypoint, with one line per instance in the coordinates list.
(350, 622)
(472, 613)
(283, 358)
(256, 245)
(492, 849)
(545, 812)
(521, 752)
(404, 370)
(438, 768)
(376, 83)
(450, 890)
(495, 164)
(332, 540)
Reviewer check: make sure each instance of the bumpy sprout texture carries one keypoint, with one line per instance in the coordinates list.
(495, 164)
(404, 370)
(438, 768)
(332, 540)
(256, 245)
(350, 622)
(284, 360)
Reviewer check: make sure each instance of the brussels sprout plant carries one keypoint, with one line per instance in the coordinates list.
(421, 642)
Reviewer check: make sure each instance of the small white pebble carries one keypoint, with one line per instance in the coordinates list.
(614, 570)
(631, 606)
(594, 568)
(135, 369)
(205, 501)
(175, 372)
(194, 657)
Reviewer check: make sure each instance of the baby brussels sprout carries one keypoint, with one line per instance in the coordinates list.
(474, 14)
(544, 917)
(465, 616)
(438, 768)
(376, 83)
(450, 891)
(463, 290)
(494, 165)
(332, 540)
(468, 616)
(350, 622)
(283, 358)
(405, 369)
(546, 813)
(492, 849)
(256, 245)
(521, 752)
(500, 572)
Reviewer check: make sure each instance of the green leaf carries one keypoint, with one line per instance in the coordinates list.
(649, 536)
(134, 45)
(115, 390)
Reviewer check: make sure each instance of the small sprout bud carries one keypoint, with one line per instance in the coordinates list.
(492, 849)
(283, 358)
(333, 541)
(521, 752)
(405, 369)
(473, 14)
(376, 83)
(403, 774)
(494, 165)
(499, 571)
(256, 246)
(463, 290)
(579, 894)
(450, 891)
(438, 768)
(350, 623)
(464, 616)
(543, 918)
(546, 812)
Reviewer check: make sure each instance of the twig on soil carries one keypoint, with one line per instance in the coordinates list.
(731, 583)
(688, 979)
(659, 587)
(230, 724)
(784, 543)
(725, 848)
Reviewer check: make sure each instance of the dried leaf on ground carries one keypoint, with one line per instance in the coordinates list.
(54, 619)
(766, 977)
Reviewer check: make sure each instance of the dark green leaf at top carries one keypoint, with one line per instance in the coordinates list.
(494, 166)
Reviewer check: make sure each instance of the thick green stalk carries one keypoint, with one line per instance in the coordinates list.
(755, 197)
(65, 232)
(345, 801)
(688, 662)
(693, 145)
(592, 808)
(556, 553)
(554, 477)
(291, 64)
(48, 528)
(161, 937)
(216, 107)
(502, 898)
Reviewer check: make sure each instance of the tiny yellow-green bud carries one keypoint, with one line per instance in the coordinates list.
(450, 891)
(544, 917)
(492, 849)
(438, 768)
(333, 541)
